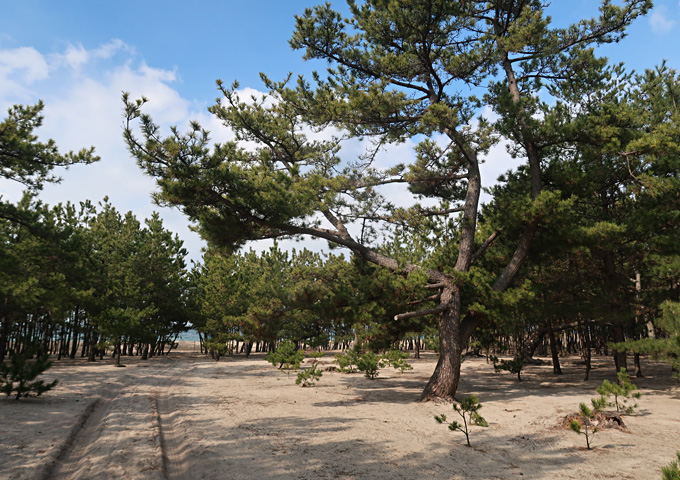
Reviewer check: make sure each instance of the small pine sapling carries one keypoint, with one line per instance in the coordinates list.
(315, 356)
(672, 470)
(587, 415)
(308, 377)
(286, 356)
(347, 361)
(18, 375)
(369, 364)
(395, 359)
(468, 410)
(513, 366)
(622, 392)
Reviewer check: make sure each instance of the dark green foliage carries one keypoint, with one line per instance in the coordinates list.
(369, 363)
(286, 356)
(347, 362)
(396, 359)
(672, 470)
(622, 391)
(315, 355)
(665, 348)
(217, 347)
(19, 375)
(513, 366)
(468, 410)
(309, 376)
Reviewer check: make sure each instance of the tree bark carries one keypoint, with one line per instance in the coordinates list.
(444, 381)
(553, 351)
(4, 332)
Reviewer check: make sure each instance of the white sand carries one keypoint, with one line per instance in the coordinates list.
(186, 416)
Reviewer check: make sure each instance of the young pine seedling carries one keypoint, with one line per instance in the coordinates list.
(347, 361)
(623, 392)
(672, 470)
(513, 366)
(397, 360)
(369, 363)
(308, 377)
(315, 356)
(587, 414)
(468, 410)
(286, 356)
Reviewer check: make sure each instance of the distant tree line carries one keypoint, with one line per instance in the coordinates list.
(81, 280)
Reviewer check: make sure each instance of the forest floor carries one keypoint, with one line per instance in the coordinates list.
(185, 416)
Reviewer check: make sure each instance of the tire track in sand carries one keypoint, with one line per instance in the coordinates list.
(128, 430)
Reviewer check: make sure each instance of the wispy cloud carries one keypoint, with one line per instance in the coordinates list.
(77, 56)
(660, 20)
(82, 89)
(24, 63)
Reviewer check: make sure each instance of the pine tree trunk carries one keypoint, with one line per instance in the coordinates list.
(553, 351)
(76, 331)
(620, 358)
(4, 332)
(638, 365)
(444, 381)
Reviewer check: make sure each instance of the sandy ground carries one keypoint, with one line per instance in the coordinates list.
(186, 416)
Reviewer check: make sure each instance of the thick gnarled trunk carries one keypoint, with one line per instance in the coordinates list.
(444, 381)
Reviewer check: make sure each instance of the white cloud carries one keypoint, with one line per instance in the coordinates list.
(83, 107)
(76, 56)
(25, 63)
(660, 20)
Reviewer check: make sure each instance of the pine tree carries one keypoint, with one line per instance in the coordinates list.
(20, 374)
(584, 427)
(622, 391)
(672, 470)
(468, 410)
(397, 71)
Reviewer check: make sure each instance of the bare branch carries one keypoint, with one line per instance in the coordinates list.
(422, 313)
(487, 243)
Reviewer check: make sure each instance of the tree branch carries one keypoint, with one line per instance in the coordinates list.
(421, 313)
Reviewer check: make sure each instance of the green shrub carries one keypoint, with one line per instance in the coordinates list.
(369, 363)
(18, 375)
(309, 376)
(286, 356)
(347, 362)
(468, 410)
(672, 470)
(315, 355)
(513, 366)
(396, 359)
(623, 392)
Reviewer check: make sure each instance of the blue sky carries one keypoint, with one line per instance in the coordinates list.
(78, 56)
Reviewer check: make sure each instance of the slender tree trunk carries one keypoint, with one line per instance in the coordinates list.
(4, 334)
(116, 352)
(93, 347)
(620, 358)
(553, 351)
(76, 332)
(638, 365)
(587, 351)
